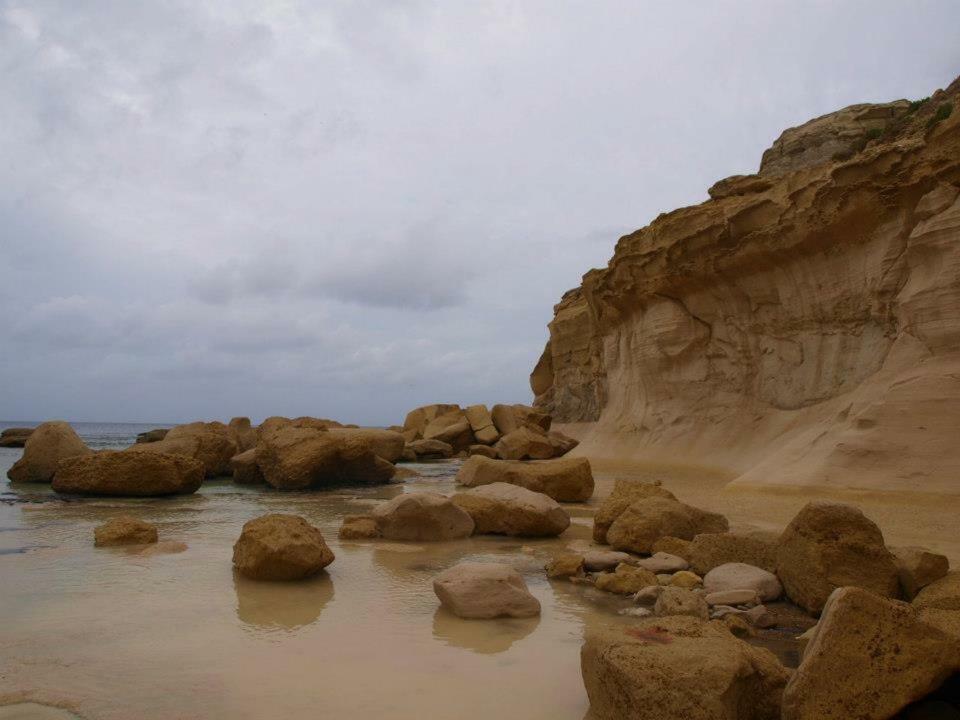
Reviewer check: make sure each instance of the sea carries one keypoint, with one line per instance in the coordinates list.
(98, 435)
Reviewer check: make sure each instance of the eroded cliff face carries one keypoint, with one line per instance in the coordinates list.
(800, 327)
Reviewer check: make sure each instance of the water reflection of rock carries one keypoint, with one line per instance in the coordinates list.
(486, 637)
(281, 605)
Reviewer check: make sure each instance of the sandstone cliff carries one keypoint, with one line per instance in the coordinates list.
(801, 327)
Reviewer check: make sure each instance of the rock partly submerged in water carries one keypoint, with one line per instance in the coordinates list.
(210, 443)
(15, 437)
(280, 547)
(485, 590)
(679, 668)
(155, 435)
(564, 480)
(643, 522)
(625, 580)
(869, 657)
(128, 474)
(124, 530)
(47, 445)
(830, 545)
(505, 509)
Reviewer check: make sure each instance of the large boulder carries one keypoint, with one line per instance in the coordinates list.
(710, 550)
(385, 444)
(280, 547)
(482, 424)
(917, 567)
(523, 444)
(623, 495)
(418, 419)
(127, 474)
(430, 449)
(485, 590)
(124, 530)
(507, 418)
(47, 445)
(638, 527)
(869, 657)
(505, 509)
(740, 576)
(452, 428)
(679, 668)
(830, 545)
(246, 471)
(565, 480)
(242, 433)
(422, 516)
(299, 458)
(211, 443)
(15, 437)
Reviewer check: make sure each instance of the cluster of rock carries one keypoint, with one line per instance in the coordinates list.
(508, 432)
(697, 587)
(15, 437)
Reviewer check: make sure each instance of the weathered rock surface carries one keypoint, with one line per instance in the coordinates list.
(626, 580)
(484, 450)
(246, 471)
(47, 445)
(212, 443)
(565, 479)
(758, 548)
(869, 657)
(505, 509)
(485, 590)
(452, 428)
(918, 567)
(799, 329)
(280, 547)
(565, 566)
(481, 422)
(599, 560)
(124, 530)
(298, 458)
(623, 495)
(661, 562)
(152, 435)
(638, 527)
(15, 437)
(830, 545)
(422, 516)
(942, 594)
(680, 601)
(359, 527)
(431, 449)
(740, 576)
(418, 419)
(524, 444)
(244, 435)
(679, 668)
(128, 474)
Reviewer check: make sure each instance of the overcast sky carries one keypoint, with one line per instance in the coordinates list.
(348, 209)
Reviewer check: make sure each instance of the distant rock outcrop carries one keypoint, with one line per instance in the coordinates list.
(801, 327)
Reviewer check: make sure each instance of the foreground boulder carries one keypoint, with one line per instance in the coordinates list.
(830, 545)
(740, 576)
(679, 668)
(211, 443)
(485, 590)
(126, 474)
(292, 457)
(505, 509)
(47, 445)
(524, 444)
(280, 547)
(638, 527)
(869, 657)
(710, 550)
(15, 437)
(565, 480)
(421, 517)
(124, 530)
(246, 471)
(624, 494)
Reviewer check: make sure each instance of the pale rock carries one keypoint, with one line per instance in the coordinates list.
(485, 590)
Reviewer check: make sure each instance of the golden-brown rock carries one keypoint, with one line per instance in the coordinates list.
(124, 530)
(359, 527)
(565, 479)
(418, 419)
(280, 547)
(243, 433)
(505, 509)
(452, 428)
(626, 580)
(829, 545)
(524, 443)
(918, 567)
(679, 668)
(645, 521)
(47, 445)
(758, 548)
(869, 658)
(422, 516)
(565, 566)
(942, 594)
(128, 474)
(482, 425)
(211, 443)
(623, 495)
(15, 437)
(246, 471)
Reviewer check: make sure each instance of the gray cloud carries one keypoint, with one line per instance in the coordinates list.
(351, 208)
